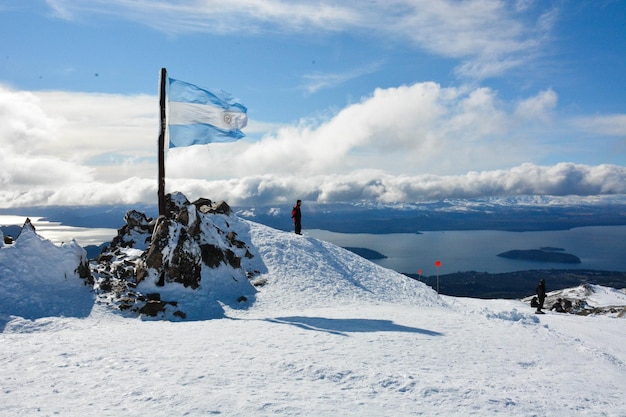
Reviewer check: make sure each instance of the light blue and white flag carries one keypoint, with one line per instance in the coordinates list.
(198, 116)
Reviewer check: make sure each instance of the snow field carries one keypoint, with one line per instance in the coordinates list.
(330, 334)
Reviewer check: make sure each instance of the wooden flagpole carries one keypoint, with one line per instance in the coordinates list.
(161, 191)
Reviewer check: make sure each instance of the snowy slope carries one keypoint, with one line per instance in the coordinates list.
(37, 278)
(329, 334)
(317, 273)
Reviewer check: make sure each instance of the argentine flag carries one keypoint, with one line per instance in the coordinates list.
(198, 116)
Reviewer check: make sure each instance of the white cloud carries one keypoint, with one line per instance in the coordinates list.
(25, 124)
(115, 134)
(409, 143)
(560, 180)
(60, 143)
(527, 179)
(537, 108)
(220, 16)
(59, 9)
(319, 81)
(489, 36)
(610, 125)
(129, 191)
(26, 129)
(408, 129)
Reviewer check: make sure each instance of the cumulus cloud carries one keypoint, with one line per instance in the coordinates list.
(403, 144)
(419, 128)
(562, 179)
(56, 145)
(25, 128)
(64, 136)
(537, 108)
(130, 191)
(25, 123)
(527, 179)
(489, 36)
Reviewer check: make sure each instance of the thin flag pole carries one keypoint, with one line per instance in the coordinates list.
(437, 264)
(161, 191)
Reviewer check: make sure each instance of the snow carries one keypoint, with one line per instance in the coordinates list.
(597, 295)
(37, 278)
(328, 334)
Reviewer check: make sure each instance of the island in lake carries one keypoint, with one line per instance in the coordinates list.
(542, 255)
(368, 254)
(552, 249)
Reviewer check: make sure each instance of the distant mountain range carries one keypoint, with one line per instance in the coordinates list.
(524, 213)
(521, 213)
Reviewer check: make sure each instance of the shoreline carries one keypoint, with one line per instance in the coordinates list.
(518, 284)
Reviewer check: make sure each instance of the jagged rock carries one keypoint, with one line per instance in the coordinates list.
(173, 203)
(154, 255)
(153, 308)
(133, 233)
(189, 217)
(137, 220)
(203, 204)
(232, 259)
(153, 296)
(221, 208)
(181, 265)
(181, 246)
(184, 266)
(104, 257)
(232, 238)
(84, 271)
(212, 256)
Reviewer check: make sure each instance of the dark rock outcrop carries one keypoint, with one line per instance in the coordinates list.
(177, 248)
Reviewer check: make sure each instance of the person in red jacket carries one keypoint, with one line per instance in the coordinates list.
(296, 215)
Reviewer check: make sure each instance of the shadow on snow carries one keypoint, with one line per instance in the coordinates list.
(344, 326)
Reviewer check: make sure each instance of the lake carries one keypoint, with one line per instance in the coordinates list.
(598, 247)
(59, 233)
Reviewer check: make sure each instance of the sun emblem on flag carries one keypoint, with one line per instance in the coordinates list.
(228, 119)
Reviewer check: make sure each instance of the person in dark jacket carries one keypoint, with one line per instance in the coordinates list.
(541, 295)
(558, 306)
(296, 215)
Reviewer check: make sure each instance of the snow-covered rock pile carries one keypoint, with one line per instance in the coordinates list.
(39, 279)
(194, 246)
(587, 299)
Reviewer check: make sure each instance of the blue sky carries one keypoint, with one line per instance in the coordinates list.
(396, 100)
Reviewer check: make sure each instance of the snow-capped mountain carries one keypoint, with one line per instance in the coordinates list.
(513, 213)
(285, 324)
